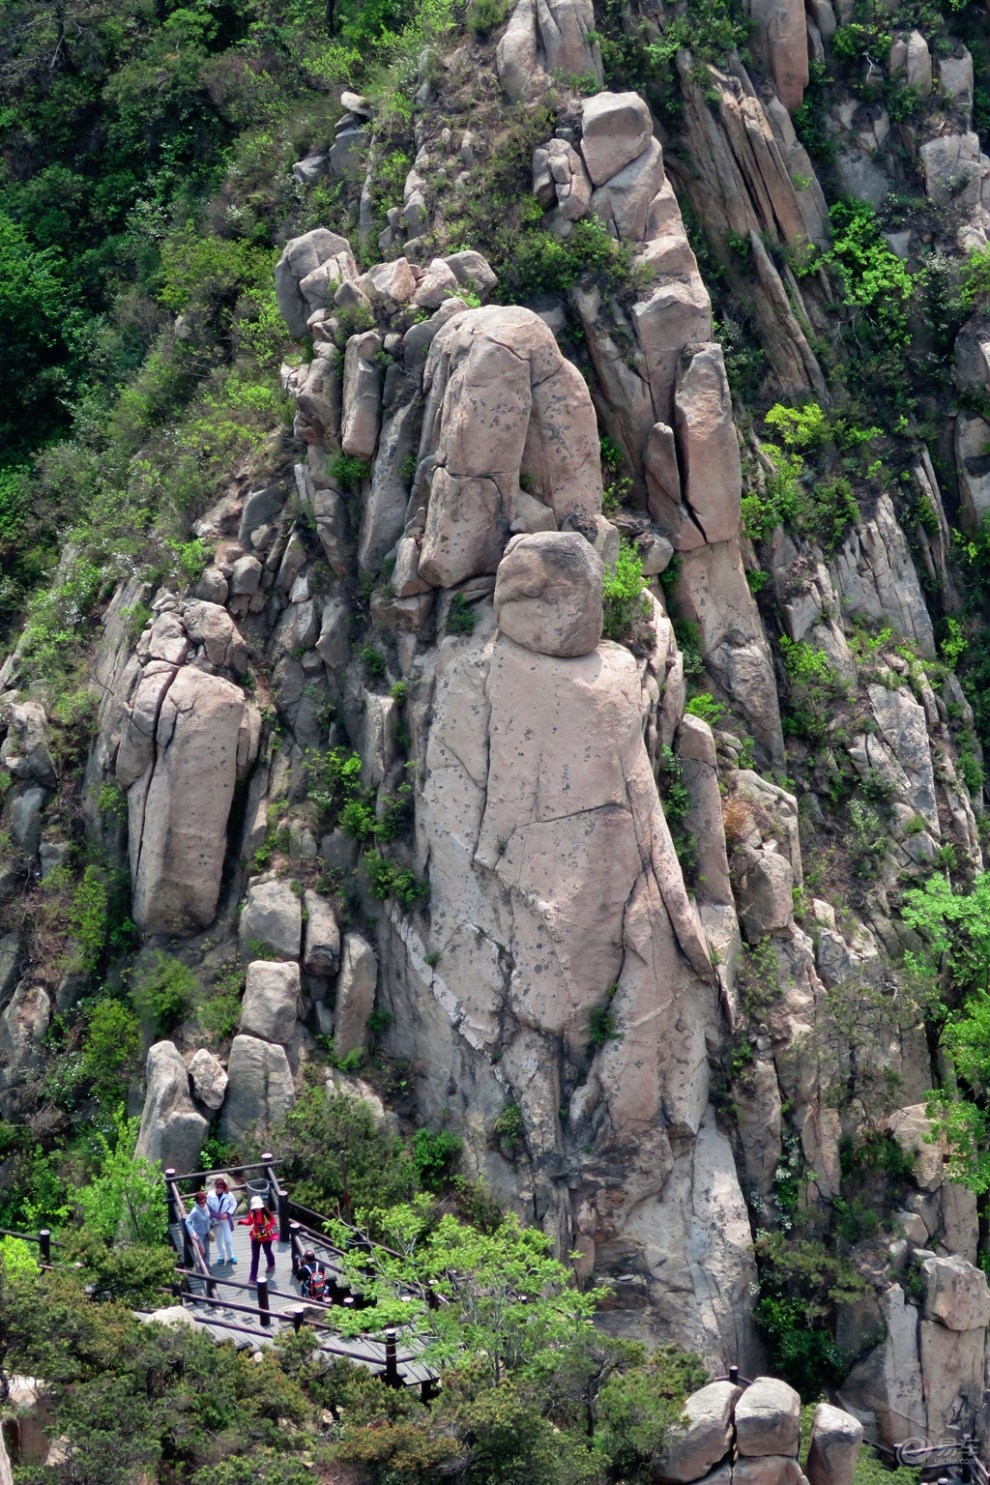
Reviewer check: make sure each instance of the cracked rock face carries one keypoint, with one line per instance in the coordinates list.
(503, 405)
(189, 737)
(537, 774)
(548, 594)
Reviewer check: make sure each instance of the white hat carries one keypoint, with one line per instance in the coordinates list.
(256, 1203)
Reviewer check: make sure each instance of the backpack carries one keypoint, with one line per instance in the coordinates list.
(316, 1284)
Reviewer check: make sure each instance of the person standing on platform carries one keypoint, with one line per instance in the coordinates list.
(263, 1230)
(222, 1206)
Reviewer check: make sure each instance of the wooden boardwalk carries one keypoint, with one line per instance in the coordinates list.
(236, 1316)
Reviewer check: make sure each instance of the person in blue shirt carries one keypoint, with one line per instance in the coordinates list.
(198, 1224)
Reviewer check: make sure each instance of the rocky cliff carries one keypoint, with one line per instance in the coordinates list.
(620, 883)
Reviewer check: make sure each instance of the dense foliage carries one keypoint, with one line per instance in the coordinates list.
(529, 1390)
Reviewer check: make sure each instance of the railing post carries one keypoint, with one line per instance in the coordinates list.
(346, 1200)
(264, 1304)
(391, 1360)
(45, 1245)
(294, 1248)
(734, 1375)
(297, 1318)
(173, 1211)
(283, 1214)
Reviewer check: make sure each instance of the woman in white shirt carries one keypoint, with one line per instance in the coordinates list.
(222, 1207)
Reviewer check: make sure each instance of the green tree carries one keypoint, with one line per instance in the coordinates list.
(125, 1200)
(503, 1297)
(955, 927)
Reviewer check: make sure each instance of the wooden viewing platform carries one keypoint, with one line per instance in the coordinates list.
(220, 1298)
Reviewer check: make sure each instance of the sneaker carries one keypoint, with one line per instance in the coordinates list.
(233, 1260)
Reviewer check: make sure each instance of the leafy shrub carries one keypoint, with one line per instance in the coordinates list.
(348, 471)
(814, 689)
(325, 1135)
(676, 802)
(601, 1021)
(543, 263)
(374, 662)
(163, 990)
(706, 707)
(111, 1047)
(386, 880)
(624, 604)
(435, 1157)
(485, 16)
(800, 428)
(509, 1131)
(460, 616)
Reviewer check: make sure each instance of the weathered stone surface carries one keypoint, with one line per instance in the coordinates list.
(909, 55)
(209, 625)
(903, 727)
(296, 290)
(272, 917)
(193, 736)
(10, 960)
(502, 400)
(362, 410)
(355, 994)
(780, 41)
(615, 128)
(712, 592)
(624, 201)
(711, 478)
(309, 170)
(438, 283)
(23, 1025)
(6, 1473)
(548, 593)
(835, 1439)
(703, 819)
(212, 586)
(394, 281)
(208, 1078)
(956, 1294)
(972, 439)
(768, 1419)
(570, 185)
(911, 1128)
(700, 1439)
(951, 165)
(888, 1380)
(271, 1000)
(952, 1364)
(25, 752)
(771, 1469)
(322, 935)
(260, 1090)
(877, 579)
(955, 74)
(172, 1131)
(318, 398)
(472, 271)
(384, 512)
(766, 896)
(22, 811)
(565, 29)
(516, 57)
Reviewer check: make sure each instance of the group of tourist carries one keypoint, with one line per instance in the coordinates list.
(212, 1217)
